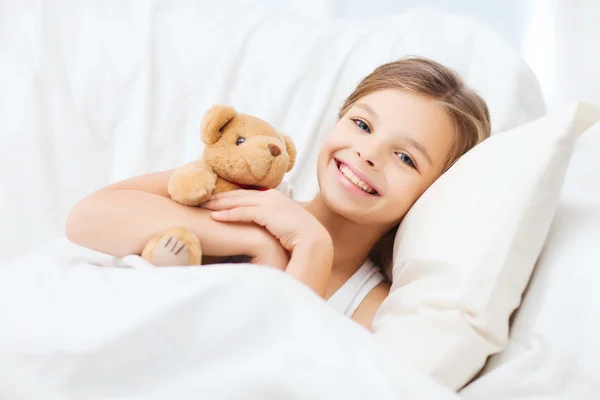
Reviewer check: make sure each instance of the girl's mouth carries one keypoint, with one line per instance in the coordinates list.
(352, 178)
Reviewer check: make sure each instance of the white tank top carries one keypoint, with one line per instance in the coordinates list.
(348, 297)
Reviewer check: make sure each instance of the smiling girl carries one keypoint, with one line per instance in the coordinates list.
(404, 125)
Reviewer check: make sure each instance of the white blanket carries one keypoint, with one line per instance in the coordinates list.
(90, 330)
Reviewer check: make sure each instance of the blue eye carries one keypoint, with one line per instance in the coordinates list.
(362, 125)
(405, 158)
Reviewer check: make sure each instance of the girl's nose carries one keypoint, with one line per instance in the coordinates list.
(371, 163)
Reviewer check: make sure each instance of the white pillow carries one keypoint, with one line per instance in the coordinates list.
(553, 347)
(464, 253)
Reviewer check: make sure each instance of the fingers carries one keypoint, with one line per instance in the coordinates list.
(237, 193)
(227, 203)
(239, 214)
(236, 198)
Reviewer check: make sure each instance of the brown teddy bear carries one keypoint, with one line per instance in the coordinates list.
(241, 151)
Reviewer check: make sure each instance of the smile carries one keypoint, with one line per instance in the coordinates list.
(355, 180)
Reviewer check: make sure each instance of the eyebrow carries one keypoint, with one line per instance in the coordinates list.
(368, 110)
(421, 149)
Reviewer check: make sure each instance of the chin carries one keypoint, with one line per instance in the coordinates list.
(341, 207)
(378, 215)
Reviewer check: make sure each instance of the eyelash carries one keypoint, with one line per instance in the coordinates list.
(408, 161)
(357, 122)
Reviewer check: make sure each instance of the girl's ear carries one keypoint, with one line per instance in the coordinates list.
(291, 150)
(214, 120)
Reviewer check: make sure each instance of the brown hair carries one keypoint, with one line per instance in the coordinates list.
(466, 108)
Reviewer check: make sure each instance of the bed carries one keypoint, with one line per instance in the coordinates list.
(101, 91)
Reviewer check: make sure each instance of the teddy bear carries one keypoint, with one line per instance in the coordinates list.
(241, 151)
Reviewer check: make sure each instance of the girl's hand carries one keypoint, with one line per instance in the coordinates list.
(298, 231)
(288, 221)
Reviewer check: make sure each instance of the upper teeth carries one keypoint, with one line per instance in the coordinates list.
(354, 179)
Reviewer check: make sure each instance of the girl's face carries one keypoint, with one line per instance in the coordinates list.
(382, 155)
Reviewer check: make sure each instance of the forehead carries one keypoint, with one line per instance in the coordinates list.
(410, 115)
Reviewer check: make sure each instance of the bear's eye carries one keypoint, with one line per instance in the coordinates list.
(240, 140)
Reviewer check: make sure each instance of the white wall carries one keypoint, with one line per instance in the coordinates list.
(558, 38)
(508, 16)
(578, 49)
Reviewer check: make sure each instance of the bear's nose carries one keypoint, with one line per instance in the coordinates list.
(275, 151)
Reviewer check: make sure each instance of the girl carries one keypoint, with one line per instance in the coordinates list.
(404, 125)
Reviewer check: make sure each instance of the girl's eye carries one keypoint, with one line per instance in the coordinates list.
(405, 158)
(240, 140)
(362, 125)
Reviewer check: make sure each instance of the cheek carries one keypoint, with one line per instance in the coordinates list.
(328, 148)
(403, 190)
(338, 137)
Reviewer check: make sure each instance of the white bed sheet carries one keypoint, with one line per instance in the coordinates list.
(92, 331)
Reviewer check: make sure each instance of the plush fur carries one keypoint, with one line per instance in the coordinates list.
(241, 151)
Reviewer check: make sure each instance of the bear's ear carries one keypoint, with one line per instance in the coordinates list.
(291, 150)
(214, 120)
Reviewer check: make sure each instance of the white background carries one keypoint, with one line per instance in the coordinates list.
(558, 38)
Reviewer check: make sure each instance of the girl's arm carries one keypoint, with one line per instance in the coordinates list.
(311, 262)
(120, 219)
